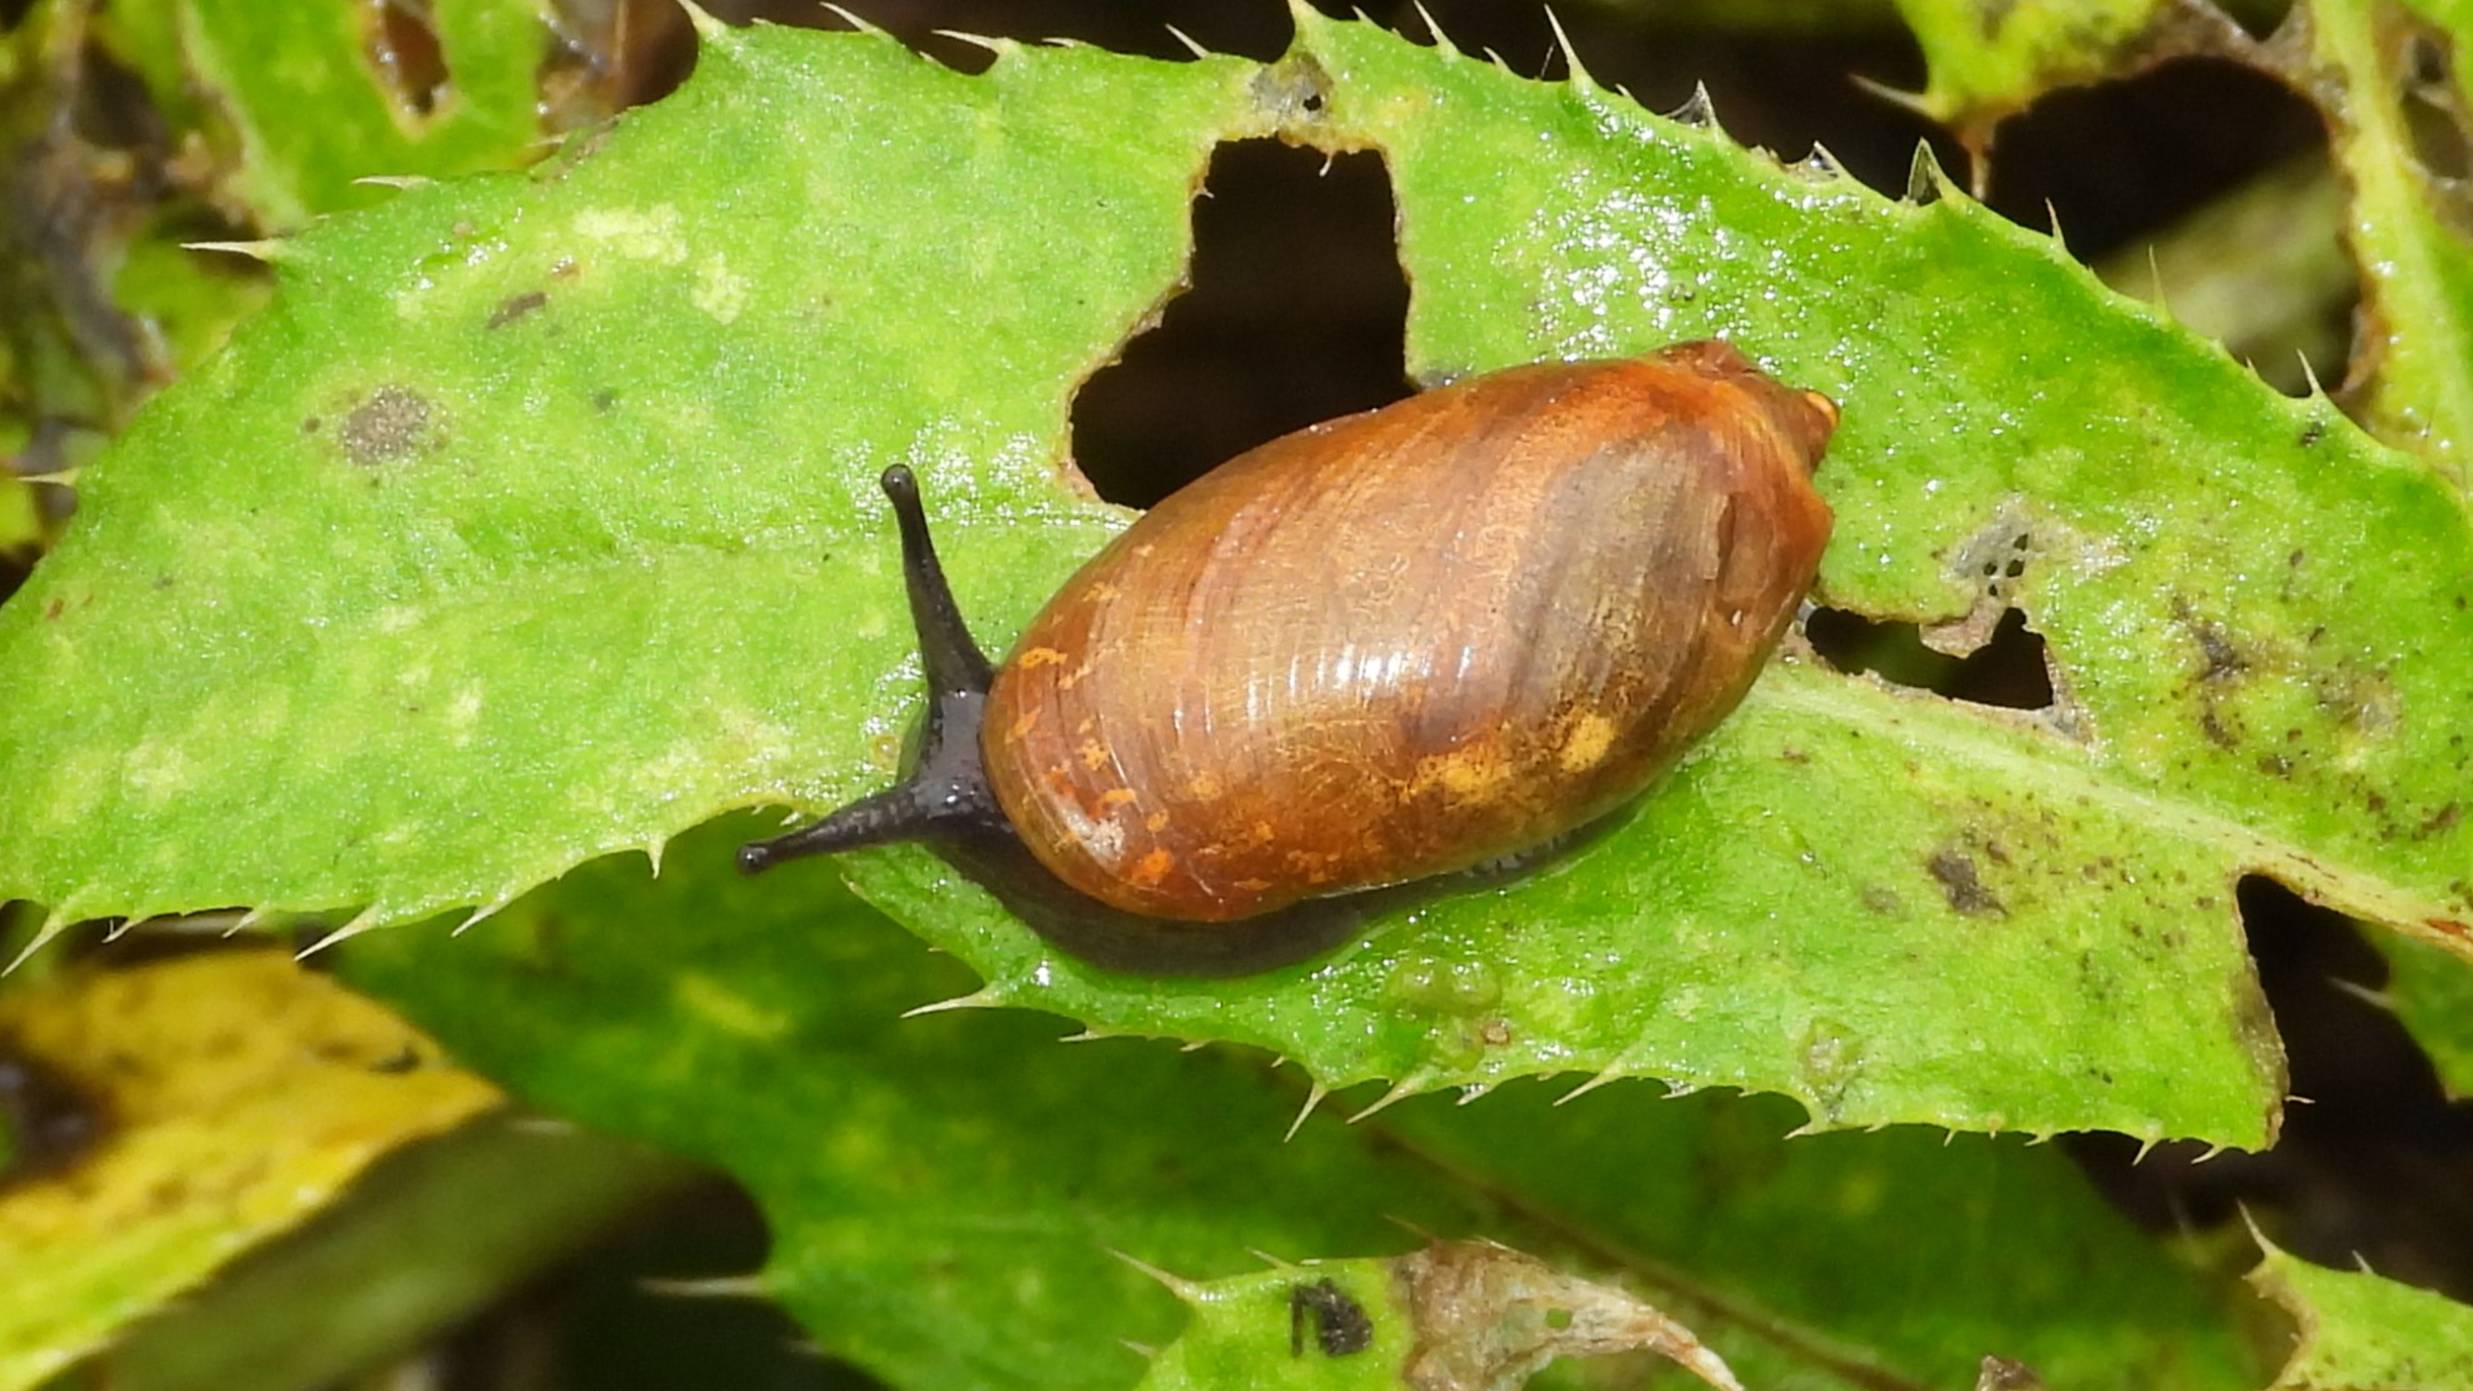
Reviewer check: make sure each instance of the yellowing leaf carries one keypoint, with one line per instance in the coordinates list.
(235, 1095)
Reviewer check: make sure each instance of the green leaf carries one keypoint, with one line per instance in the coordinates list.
(1457, 1314)
(2430, 990)
(298, 101)
(2411, 383)
(1987, 59)
(2262, 270)
(2398, 134)
(2363, 1333)
(1241, 1322)
(582, 548)
(944, 1191)
(21, 521)
(421, 1242)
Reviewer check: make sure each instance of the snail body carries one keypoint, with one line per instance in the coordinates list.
(1383, 648)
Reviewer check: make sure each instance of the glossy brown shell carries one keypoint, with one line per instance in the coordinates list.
(1409, 641)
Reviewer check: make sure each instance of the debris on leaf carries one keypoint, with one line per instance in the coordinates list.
(1487, 1317)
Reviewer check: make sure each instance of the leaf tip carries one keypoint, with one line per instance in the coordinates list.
(269, 250)
(1571, 56)
(361, 922)
(53, 926)
(2309, 374)
(1400, 1091)
(1819, 163)
(1917, 102)
(1306, 19)
(1313, 1098)
(1002, 48)
(1926, 181)
(846, 17)
(753, 1285)
(1611, 1074)
(1187, 41)
(1697, 111)
(982, 998)
(706, 26)
(1177, 1285)
(490, 909)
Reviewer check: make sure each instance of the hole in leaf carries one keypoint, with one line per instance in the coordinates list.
(2122, 158)
(1297, 314)
(611, 56)
(2426, 100)
(2210, 181)
(2008, 671)
(403, 47)
(2377, 1164)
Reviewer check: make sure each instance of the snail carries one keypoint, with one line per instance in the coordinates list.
(1382, 649)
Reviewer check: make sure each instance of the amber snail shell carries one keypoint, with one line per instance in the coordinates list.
(1381, 649)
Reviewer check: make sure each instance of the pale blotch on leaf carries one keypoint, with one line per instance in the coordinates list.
(388, 424)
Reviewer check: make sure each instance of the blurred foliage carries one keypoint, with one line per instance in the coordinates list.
(189, 1111)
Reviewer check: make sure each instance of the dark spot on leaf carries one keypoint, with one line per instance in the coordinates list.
(1879, 900)
(603, 399)
(403, 1060)
(1955, 869)
(2222, 656)
(310, 424)
(54, 609)
(2212, 725)
(2441, 820)
(514, 307)
(52, 1121)
(2312, 433)
(391, 423)
(1340, 1323)
(2275, 765)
